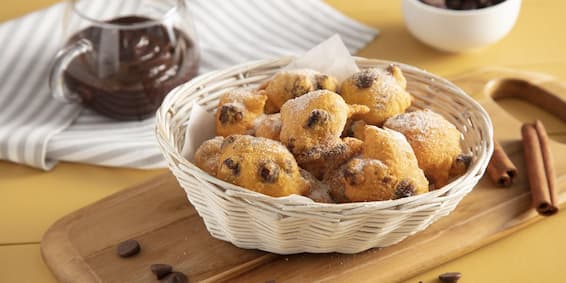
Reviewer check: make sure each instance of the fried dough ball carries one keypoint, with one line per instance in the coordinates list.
(312, 125)
(394, 150)
(436, 143)
(269, 126)
(386, 169)
(383, 91)
(237, 112)
(261, 165)
(361, 179)
(206, 156)
(289, 84)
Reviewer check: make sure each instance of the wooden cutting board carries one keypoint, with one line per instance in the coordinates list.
(81, 246)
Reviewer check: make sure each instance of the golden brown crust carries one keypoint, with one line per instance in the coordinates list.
(290, 84)
(383, 91)
(436, 143)
(393, 149)
(238, 111)
(361, 179)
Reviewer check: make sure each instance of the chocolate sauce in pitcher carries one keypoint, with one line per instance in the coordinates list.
(130, 70)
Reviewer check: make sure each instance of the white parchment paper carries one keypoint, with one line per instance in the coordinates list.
(329, 57)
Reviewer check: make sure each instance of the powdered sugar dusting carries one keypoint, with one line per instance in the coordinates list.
(358, 164)
(380, 79)
(419, 123)
(272, 121)
(399, 139)
(299, 104)
(267, 145)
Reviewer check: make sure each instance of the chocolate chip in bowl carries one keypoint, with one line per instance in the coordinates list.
(462, 4)
(460, 25)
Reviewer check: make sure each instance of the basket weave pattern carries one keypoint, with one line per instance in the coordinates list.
(251, 220)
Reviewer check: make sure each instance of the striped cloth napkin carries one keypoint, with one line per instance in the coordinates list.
(38, 131)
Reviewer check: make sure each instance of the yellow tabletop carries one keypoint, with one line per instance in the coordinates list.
(30, 200)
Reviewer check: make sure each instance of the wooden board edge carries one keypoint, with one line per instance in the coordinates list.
(62, 258)
(57, 252)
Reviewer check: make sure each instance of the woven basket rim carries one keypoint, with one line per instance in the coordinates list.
(456, 185)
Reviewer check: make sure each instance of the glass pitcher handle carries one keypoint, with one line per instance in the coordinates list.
(62, 61)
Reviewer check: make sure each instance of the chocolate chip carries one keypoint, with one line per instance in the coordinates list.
(435, 3)
(175, 277)
(469, 5)
(161, 270)
(309, 154)
(386, 180)
(298, 88)
(338, 150)
(128, 248)
(454, 4)
(464, 159)
(404, 189)
(321, 81)
(230, 113)
(353, 177)
(450, 277)
(317, 117)
(232, 165)
(462, 4)
(268, 171)
(365, 79)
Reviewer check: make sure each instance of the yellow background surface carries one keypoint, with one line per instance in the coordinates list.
(30, 200)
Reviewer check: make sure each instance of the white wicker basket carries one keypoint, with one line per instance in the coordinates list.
(252, 220)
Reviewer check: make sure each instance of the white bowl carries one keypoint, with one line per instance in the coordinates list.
(460, 30)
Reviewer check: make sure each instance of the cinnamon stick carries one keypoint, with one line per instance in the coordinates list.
(500, 169)
(536, 173)
(547, 161)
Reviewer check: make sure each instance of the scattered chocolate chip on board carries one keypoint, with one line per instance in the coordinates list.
(175, 277)
(161, 270)
(128, 248)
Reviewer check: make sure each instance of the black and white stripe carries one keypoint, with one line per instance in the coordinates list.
(38, 131)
